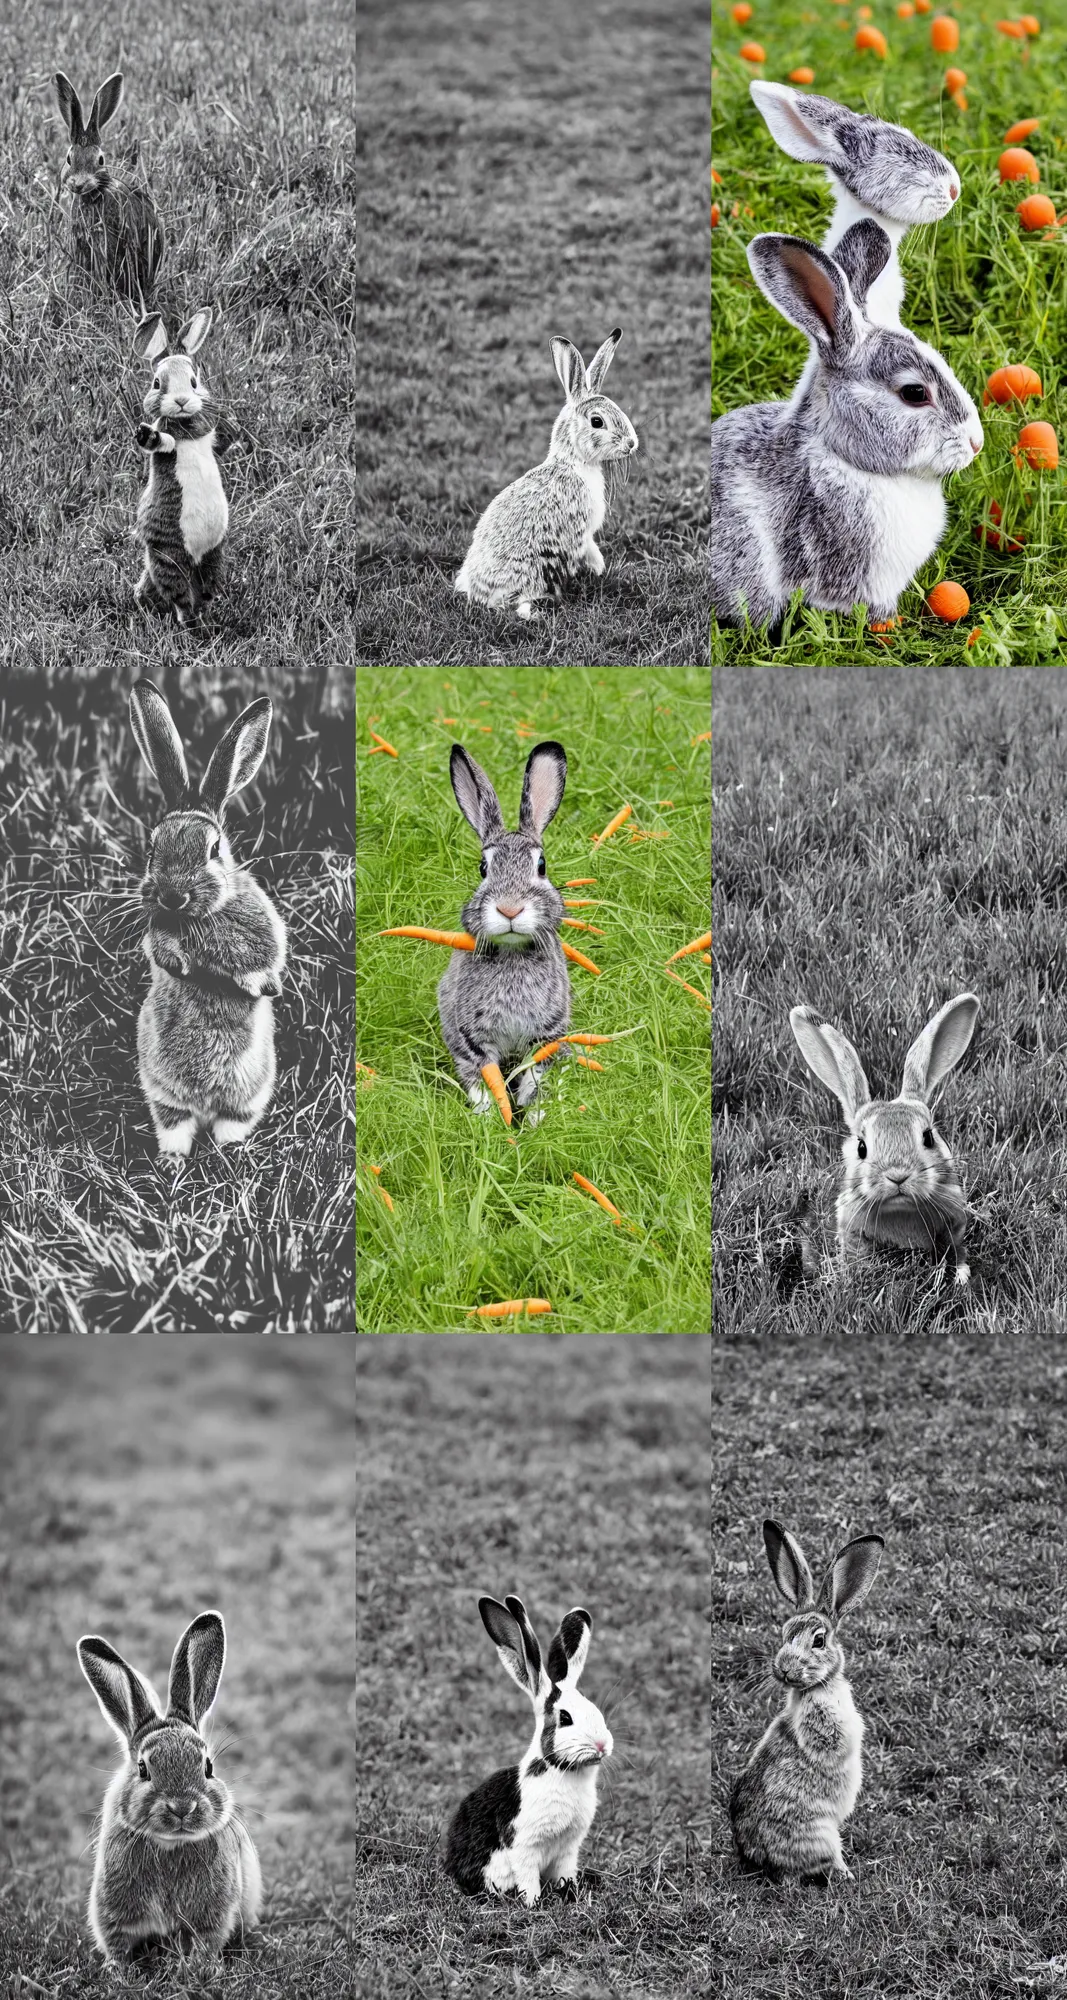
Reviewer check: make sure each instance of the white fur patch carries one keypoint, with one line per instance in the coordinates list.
(593, 477)
(205, 515)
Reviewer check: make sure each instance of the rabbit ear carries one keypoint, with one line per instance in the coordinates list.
(196, 1669)
(863, 253)
(190, 338)
(789, 1566)
(150, 338)
(794, 124)
(159, 742)
(105, 104)
(602, 360)
(566, 1654)
(515, 1642)
(569, 367)
(938, 1049)
(126, 1700)
(809, 290)
(542, 786)
(238, 754)
(475, 798)
(831, 1057)
(70, 105)
(851, 1575)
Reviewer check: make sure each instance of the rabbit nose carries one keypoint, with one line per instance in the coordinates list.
(898, 1176)
(172, 899)
(975, 448)
(509, 910)
(953, 190)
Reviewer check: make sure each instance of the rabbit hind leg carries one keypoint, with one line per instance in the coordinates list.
(175, 1130)
(168, 584)
(210, 571)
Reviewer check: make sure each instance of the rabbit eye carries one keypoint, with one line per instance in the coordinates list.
(142, 1769)
(100, 159)
(563, 1718)
(597, 423)
(155, 381)
(213, 851)
(541, 869)
(818, 1639)
(928, 1139)
(913, 393)
(192, 381)
(483, 868)
(208, 1767)
(861, 1149)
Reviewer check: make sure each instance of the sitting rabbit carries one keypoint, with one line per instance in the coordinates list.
(115, 231)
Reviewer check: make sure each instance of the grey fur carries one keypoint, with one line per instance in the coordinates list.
(836, 493)
(539, 533)
(115, 231)
(215, 942)
(183, 515)
(500, 1001)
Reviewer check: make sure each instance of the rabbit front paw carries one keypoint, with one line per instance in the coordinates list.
(151, 439)
(592, 558)
(479, 1098)
(165, 952)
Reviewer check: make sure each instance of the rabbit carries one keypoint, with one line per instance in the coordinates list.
(541, 529)
(513, 992)
(183, 516)
(803, 1778)
(116, 233)
(901, 1190)
(215, 942)
(837, 493)
(174, 1862)
(523, 1827)
(876, 169)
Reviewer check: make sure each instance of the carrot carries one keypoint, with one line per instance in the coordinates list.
(608, 1206)
(383, 745)
(450, 719)
(579, 902)
(370, 1169)
(613, 826)
(576, 924)
(364, 1069)
(387, 1198)
(706, 955)
(694, 990)
(581, 882)
(579, 957)
(594, 1041)
(587, 1063)
(664, 835)
(549, 1049)
(494, 1083)
(664, 803)
(510, 1308)
(459, 940)
(704, 738)
(698, 944)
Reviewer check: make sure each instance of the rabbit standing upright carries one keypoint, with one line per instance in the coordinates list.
(523, 1827)
(837, 492)
(215, 942)
(183, 516)
(901, 1190)
(512, 992)
(541, 530)
(877, 170)
(116, 233)
(174, 1863)
(803, 1778)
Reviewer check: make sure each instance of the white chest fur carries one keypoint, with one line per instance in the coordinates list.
(910, 520)
(204, 512)
(593, 478)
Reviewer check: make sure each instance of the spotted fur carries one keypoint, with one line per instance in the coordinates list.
(174, 1862)
(215, 942)
(115, 231)
(804, 1776)
(838, 492)
(901, 1190)
(540, 532)
(523, 1827)
(183, 516)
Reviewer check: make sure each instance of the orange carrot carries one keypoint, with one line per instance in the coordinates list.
(459, 940)
(579, 957)
(387, 1198)
(608, 1206)
(694, 990)
(706, 955)
(581, 882)
(510, 1308)
(593, 1041)
(370, 1169)
(705, 738)
(450, 719)
(613, 826)
(587, 1063)
(579, 902)
(664, 835)
(366, 1070)
(576, 924)
(698, 944)
(380, 740)
(664, 803)
(549, 1049)
(494, 1083)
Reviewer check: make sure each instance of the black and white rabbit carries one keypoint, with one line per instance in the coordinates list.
(877, 170)
(838, 491)
(183, 516)
(115, 232)
(512, 992)
(523, 1827)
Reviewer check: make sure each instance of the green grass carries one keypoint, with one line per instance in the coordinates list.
(884, 840)
(525, 175)
(247, 139)
(952, 1449)
(135, 1495)
(600, 1502)
(979, 289)
(477, 1219)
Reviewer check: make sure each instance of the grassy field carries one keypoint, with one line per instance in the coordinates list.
(521, 179)
(979, 289)
(954, 1451)
(255, 1515)
(882, 841)
(475, 1217)
(604, 1504)
(247, 138)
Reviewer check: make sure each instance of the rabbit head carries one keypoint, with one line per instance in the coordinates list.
(516, 904)
(880, 399)
(179, 389)
(84, 170)
(191, 868)
(570, 1731)
(811, 1653)
(883, 167)
(590, 428)
(171, 1795)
